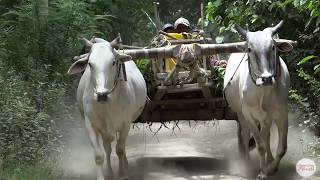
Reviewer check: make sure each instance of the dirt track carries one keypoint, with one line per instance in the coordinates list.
(204, 151)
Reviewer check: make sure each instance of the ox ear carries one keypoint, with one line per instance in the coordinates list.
(78, 66)
(124, 57)
(284, 47)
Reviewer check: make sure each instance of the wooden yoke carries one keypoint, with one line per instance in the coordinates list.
(200, 49)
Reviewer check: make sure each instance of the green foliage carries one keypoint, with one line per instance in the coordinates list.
(27, 172)
(256, 15)
(316, 59)
(217, 75)
(301, 23)
(127, 19)
(295, 96)
(306, 59)
(34, 60)
(142, 65)
(311, 81)
(171, 10)
(24, 131)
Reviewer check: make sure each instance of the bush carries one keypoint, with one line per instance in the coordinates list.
(26, 134)
(33, 80)
(40, 171)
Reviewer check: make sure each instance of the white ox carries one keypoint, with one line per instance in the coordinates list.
(256, 87)
(108, 104)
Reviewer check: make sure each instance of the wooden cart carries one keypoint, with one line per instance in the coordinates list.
(193, 101)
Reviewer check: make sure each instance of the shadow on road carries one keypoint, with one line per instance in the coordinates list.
(194, 168)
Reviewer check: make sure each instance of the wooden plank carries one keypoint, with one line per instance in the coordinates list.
(162, 76)
(200, 115)
(184, 87)
(159, 94)
(160, 115)
(187, 101)
(186, 41)
(154, 69)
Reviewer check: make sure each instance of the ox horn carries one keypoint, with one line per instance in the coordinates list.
(88, 43)
(115, 43)
(277, 27)
(241, 31)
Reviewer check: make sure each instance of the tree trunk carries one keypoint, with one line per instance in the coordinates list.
(41, 13)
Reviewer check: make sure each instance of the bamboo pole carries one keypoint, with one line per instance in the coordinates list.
(205, 49)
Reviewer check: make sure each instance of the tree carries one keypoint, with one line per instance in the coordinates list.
(41, 11)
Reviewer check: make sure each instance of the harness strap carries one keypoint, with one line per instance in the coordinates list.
(117, 76)
(224, 89)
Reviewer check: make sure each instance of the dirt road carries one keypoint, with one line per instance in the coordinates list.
(198, 151)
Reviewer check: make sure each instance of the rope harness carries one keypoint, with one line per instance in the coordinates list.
(224, 89)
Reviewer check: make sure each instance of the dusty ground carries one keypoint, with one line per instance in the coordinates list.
(204, 151)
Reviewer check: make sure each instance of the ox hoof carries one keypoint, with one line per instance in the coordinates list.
(109, 176)
(122, 178)
(261, 176)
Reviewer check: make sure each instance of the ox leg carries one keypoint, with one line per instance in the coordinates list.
(121, 152)
(267, 137)
(265, 133)
(97, 144)
(282, 126)
(261, 144)
(243, 138)
(108, 150)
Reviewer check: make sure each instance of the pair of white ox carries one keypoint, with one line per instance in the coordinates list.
(256, 86)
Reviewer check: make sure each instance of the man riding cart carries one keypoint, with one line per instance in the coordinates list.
(179, 33)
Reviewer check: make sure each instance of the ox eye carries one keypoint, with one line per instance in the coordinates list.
(113, 63)
(90, 65)
(249, 50)
(273, 48)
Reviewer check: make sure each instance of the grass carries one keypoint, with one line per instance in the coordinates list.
(43, 171)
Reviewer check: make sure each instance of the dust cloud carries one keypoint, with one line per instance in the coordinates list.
(194, 151)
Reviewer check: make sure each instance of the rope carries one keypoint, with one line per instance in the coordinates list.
(116, 78)
(224, 89)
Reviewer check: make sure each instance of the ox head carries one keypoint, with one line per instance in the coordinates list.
(103, 62)
(262, 53)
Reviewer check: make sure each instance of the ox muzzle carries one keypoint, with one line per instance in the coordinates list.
(265, 81)
(101, 96)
